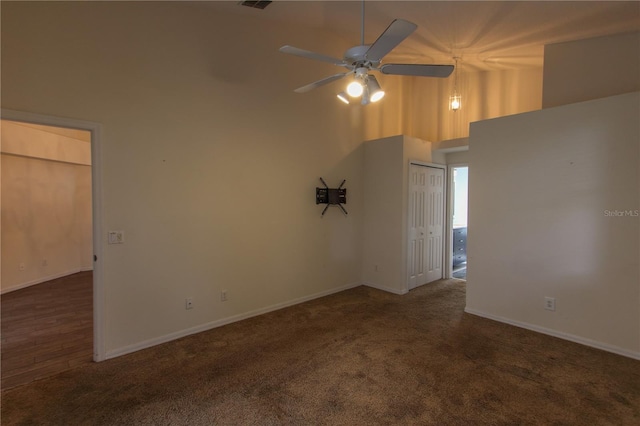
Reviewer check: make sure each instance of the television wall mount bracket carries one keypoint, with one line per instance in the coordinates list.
(332, 196)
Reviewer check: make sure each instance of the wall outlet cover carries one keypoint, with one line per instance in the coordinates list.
(550, 303)
(116, 237)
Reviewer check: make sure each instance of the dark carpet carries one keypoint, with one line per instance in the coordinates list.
(358, 357)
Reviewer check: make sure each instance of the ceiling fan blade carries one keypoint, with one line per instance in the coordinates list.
(319, 83)
(419, 70)
(311, 55)
(397, 31)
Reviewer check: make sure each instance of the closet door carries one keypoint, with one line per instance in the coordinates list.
(426, 224)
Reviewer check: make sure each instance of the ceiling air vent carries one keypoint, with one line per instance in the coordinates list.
(256, 4)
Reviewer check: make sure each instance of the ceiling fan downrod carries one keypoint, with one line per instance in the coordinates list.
(362, 27)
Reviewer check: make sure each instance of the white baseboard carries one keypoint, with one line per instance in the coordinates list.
(44, 279)
(387, 289)
(223, 321)
(555, 333)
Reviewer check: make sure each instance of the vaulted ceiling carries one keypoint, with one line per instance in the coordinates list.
(486, 35)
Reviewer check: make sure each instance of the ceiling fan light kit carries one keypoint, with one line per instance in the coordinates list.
(355, 89)
(369, 89)
(343, 97)
(375, 91)
(361, 60)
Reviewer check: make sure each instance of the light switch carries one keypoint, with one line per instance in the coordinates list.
(116, 237)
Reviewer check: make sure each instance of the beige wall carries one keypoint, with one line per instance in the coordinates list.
(46, 142)
(418, 106)
(544, 188)
(386, 188)
(209, 159)
(46, 220)
(589, 69)
(46, 204)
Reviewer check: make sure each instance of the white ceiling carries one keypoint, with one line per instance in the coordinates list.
(485, 34)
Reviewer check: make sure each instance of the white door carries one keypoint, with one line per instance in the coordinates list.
(426, 224)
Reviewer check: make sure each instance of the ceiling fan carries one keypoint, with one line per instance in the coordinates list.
(360, 60)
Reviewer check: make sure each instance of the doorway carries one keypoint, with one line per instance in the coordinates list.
(426, 224)
(49, 245)
(459, 213)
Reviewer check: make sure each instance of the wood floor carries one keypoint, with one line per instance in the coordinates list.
(46, 329)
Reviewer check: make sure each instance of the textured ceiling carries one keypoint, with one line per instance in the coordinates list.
(486, 35)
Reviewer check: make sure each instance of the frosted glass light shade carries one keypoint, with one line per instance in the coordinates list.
(375, 91)
(355, 89)
(343, 97)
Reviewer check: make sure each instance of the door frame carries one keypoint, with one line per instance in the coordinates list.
(96, 200)
(445, 190)
(450, 201)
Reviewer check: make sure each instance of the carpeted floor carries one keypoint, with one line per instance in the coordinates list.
(358, 357)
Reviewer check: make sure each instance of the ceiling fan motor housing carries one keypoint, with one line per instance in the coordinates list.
(357, 57)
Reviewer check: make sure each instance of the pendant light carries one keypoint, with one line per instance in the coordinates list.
(455, 100)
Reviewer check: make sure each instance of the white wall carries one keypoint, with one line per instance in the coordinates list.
(210, 160)
(541, 186)
(458, 157)
(46, 205)
(590, 69)
(386, 175)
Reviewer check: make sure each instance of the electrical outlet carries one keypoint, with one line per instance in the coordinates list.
(223, 296)
(188, 303)
(44, 262)
(22, 266)
(550, 303)
(375, 268)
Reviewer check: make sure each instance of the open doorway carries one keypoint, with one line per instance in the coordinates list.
(47, 250)
(460, 196)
